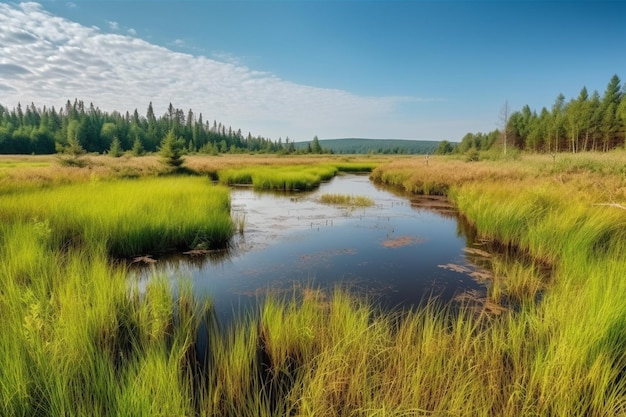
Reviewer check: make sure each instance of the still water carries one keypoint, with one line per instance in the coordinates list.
(397, 252)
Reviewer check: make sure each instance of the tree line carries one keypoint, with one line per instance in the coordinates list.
(33, 130)
(589, 122)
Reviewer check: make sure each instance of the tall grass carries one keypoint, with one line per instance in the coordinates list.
(297, 176)
(79, 337)
(567, 359)
(129, 217)
(346, 200)
(285, 178)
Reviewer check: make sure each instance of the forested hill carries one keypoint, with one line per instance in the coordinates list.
(363, 146)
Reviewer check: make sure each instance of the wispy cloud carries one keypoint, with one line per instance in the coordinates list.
(48, 60)
(178, 42)
(113, 25)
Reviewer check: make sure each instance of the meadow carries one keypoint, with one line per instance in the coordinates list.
(80, 337)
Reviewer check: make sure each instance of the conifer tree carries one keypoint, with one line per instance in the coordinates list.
(116, 148)
(171, 150)
(315, 146)
(138, 149)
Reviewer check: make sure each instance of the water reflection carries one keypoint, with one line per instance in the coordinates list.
(398, 252)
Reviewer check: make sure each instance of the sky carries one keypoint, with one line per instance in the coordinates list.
(421, 70)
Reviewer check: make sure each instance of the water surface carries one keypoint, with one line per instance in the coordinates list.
(398, 252)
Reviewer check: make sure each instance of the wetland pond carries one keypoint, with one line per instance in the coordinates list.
(398, 252)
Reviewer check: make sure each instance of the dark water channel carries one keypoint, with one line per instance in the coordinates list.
(397, 252)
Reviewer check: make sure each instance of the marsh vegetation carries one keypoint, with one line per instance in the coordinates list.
(79, 336)
(346, 200)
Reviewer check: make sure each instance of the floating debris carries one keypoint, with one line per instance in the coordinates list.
(477, 252)
(401, 241)
(456, 268)
(147, 259)
(479, 275)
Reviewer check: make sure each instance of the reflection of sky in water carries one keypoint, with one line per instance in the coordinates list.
(390, 251)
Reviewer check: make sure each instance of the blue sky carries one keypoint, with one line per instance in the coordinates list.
(332, 68)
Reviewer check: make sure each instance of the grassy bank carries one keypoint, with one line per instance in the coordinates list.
(296, 177)
(128, 217)
(79, 339)
(18, 172)
(567, 213)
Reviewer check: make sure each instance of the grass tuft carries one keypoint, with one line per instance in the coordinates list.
(346, 200)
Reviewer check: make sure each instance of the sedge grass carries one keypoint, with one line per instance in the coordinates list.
(284, 178)
(298, 175)
(346, 200)
(129, 216)
(77, 339)
(557, 214)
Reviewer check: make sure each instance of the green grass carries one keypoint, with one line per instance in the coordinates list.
(79, 337)
(346, 200)
(289, 177)
(568, 359)
(129, 217)
(284, 178)
(22, 164)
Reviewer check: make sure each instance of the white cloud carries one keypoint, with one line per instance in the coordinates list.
(113, 25)
(47, 60)
(132, 32)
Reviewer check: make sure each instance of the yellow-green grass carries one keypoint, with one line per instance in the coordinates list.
(286, 178)
(297, 176)
(574, 219)
(361, 163)
(39, 171)
(346, 200)
(77, 337)
(128, 217)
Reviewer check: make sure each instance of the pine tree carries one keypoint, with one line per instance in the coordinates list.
(138, 149)
(116, 148)
(315, 146)
(171, 150)
(610, 124)
(74, 147)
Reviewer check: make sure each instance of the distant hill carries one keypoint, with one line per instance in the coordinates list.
(384, 146)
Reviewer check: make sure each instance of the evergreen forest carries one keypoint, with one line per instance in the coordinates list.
(589, 122)
(33, 130)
